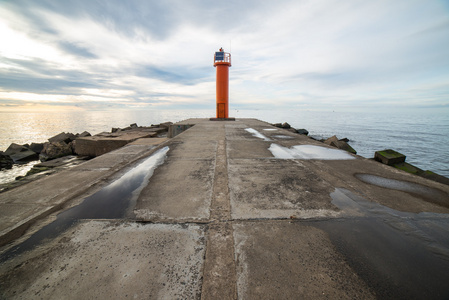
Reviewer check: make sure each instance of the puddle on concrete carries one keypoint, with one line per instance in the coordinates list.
(428, 194)
(285, 137)
(115, 201)
(308, 152)
(257, 134)
(401, 255)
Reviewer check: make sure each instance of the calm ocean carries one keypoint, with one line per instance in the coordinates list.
(422, 135)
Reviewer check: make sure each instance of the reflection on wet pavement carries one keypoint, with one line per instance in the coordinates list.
(117, 200)
(399, 254)
(257, 134)
(426, 193)
(283, 137)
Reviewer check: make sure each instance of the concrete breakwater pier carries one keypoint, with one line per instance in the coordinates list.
(226, 210)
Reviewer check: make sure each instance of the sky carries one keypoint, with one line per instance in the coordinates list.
(148, 54)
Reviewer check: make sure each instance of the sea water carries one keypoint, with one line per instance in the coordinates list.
(422, 135)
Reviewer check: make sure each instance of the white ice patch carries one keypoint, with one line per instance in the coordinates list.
(308, 152)
(257, 134)
(270, 129)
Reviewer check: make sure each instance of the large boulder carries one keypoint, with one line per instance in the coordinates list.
(37, 147)
(21, 153)
(302, 131)
(83, 134)
(6, 162)
(335, 142)
(286, 125)
(62, 137)
(389, 157)
(166, 125)
(55, 150)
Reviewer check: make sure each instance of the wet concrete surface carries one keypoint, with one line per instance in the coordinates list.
(429, 194)
(224, 218)
(400, 255)
(111, 259)
(114, 201)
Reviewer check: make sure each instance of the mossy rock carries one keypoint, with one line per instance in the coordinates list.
(408, 168)
(36, 170)
(389, 157)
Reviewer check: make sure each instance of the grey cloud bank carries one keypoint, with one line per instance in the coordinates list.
(150, 54)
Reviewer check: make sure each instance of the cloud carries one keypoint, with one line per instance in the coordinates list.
(287, 53)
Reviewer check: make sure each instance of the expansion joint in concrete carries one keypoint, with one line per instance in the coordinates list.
(220, 269)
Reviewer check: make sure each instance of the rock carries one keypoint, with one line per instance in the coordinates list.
(279, 125)
(35, 170)
(291, 129)
(58, 162)
(83, 134)
(286, 125)
(346, 140)
(302, 131)
(55, 150)
(37, 147)
(333, 141)
(6, 161)
(20, 153)
(435, 177)
(165, 125)
(114, 129)
(133, 125)
(345, 146)
(389, 157)
(62, 137)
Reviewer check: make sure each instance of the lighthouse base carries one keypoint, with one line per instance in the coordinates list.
(222, 119)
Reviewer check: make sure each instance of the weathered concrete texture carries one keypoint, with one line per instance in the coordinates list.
(289, 260)
(219, 271)
(282, 189)
(22, 206)
(113, 260)
(181, 189)
(343, 174)
(100, 144)
(148, 141)
(178, 190)
(228, 219)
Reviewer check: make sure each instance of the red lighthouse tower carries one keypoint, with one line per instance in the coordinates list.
(222, 61)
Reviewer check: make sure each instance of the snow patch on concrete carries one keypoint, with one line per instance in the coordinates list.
(309, 152)
(257, 134)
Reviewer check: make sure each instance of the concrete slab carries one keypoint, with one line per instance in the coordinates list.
(193, 149)
(11, 213)
(343, 174)
(63, 184)
(178, 190)
(248, 149)
(100, 144)
(281, 189)
(111, 260)
(115, 158)
(149, 141)
(292, 261)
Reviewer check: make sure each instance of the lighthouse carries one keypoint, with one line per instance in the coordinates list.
(222, 61)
